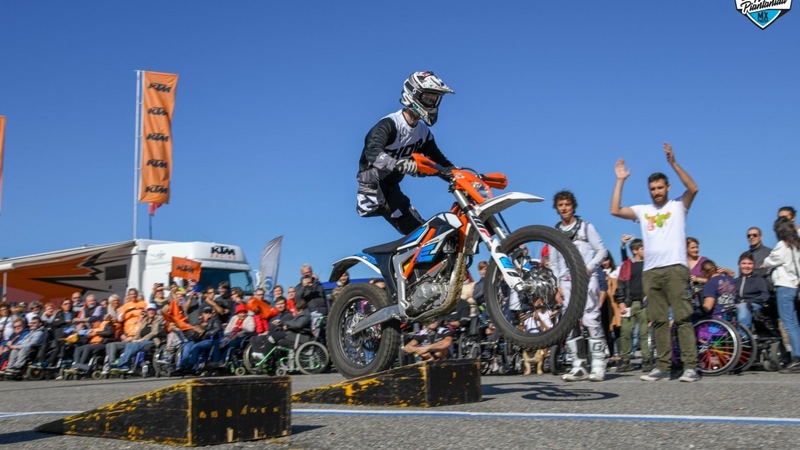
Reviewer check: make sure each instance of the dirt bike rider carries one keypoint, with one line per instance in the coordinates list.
(590, 245)
(388, 146)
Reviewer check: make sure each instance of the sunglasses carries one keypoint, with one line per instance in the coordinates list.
(752, 235)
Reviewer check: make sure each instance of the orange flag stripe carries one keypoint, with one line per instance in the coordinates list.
(157, 107)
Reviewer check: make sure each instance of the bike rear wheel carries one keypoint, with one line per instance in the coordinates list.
(366, 352)
(718, 346)
(503, 302)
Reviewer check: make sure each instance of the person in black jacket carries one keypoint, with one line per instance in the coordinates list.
(311, 290)
(752, 290)
(203, 337)
(631, 300)
(285, 332)
(388, 146)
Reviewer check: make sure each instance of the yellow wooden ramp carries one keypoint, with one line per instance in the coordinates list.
(201, 411)
(425, 384)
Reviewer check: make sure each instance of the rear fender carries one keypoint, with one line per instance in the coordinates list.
(343, 265)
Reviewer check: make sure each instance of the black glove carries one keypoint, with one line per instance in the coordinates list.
(448, 171)
(406, 166)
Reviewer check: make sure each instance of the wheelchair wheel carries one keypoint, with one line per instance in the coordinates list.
(776, 358)
(97, 375)
(240, 371)
(749, 349)
(312, 358)
(281, 371)
(35, 373)
(251, 365)
(160, 368)
(718, 346)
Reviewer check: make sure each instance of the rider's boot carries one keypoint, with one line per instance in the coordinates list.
(599, 359)
(578, 371)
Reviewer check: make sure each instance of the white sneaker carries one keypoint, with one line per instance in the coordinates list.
(257, 356)
(689, 376)
(576, 374)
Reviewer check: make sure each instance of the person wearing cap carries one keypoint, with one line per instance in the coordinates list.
(202, 337)
(239, 328)
(150, 334)
(432, 342)
(21, 348)
(100, 333)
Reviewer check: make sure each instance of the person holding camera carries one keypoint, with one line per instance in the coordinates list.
(310, 290)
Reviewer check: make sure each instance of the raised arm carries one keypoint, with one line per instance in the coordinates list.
(691, 186)
(616, 198)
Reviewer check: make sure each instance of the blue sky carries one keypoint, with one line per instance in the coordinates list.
(274, 100)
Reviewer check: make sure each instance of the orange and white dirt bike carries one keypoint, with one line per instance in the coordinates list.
(425, 270)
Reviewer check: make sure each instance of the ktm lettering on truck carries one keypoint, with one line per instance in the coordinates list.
(223, 252)
(160, 87)
(158, 137)
(158, 163)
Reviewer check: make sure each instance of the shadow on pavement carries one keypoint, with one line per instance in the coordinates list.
(22, 436)
(547, 391)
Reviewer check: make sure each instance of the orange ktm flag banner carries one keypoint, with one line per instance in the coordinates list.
(157, 107)
(2, 138)
(185, 268)
(174, 315)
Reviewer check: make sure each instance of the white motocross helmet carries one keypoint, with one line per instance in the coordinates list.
(422, 93)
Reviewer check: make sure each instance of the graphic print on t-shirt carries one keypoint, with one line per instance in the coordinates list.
(656, 221)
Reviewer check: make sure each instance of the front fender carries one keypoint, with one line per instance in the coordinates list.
(341, 266)
(496, 204)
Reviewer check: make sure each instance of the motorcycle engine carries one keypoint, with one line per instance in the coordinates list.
(427, 295)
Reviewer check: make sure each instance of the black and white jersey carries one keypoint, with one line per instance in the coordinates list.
(393, 139)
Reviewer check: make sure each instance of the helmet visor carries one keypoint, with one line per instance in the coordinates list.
(430, 99)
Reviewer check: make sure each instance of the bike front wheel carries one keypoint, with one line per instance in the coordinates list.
(531, 250)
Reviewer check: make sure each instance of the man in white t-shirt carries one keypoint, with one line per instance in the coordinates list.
(666, 273)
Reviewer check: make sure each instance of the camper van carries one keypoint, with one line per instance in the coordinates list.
(114, 268)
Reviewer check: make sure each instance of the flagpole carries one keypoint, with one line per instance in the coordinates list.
(136, 151)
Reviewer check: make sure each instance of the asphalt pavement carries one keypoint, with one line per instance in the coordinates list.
(752, 410)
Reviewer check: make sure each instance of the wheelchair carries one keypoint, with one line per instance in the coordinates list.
(309, 357)
(165, 358)
(233, 358)
(141, 365)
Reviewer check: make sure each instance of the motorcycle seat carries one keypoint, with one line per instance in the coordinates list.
(388, 247)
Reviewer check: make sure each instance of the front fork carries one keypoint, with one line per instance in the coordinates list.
(504, 263)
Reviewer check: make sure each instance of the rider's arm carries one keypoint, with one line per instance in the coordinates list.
(383, 133)
(431, 150)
